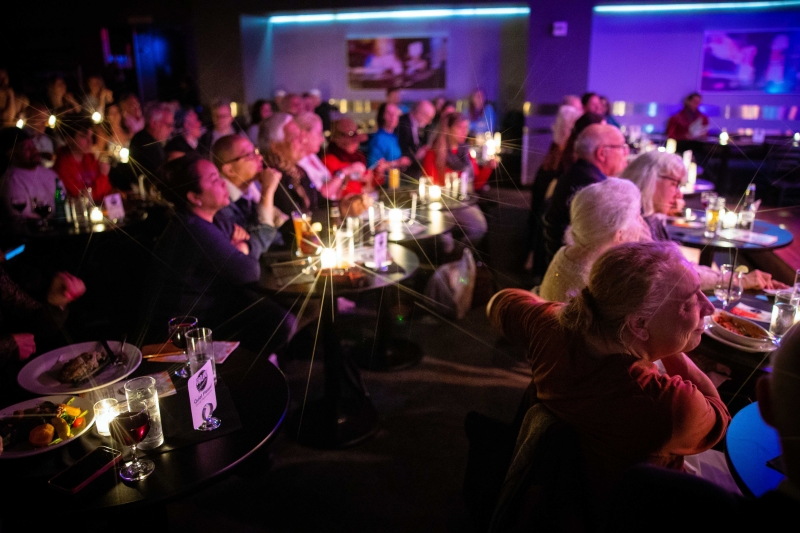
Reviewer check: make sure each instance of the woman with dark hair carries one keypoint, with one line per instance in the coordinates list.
(197, 269)
(260, 111)
(76, 164)
(481, 114)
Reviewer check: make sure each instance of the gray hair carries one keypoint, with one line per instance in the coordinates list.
(629, 280)
(271, 129)
(590, 140)
(645, 170)
(156, 111)
(307, 121)
(600, 210)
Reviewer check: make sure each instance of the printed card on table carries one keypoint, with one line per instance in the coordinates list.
(201, 393)
(114, 208)
(379, 249)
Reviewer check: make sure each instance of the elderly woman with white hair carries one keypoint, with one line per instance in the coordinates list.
(603, 215)
(593, 361)
(659, 176)
(329, 186)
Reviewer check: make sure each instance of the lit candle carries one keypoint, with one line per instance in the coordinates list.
(104, 413)
(97, 118)
(395, 220)
(327, 258)
(688, 213)
(729, 220)
(124, 155)
(341, 237)
(371, 219)
(20, 123)
(422, 189)
(796, 136)
(435, 193)
(723, 138)
(464, 185)
(51, 121)
(672, 145)
(687, 158)
(351, 249)
(497, 140)
(96, 215)
(413, 208)
(382, 210)
(455, 186)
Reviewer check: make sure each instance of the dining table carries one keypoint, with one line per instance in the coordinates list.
(253, 399)
(345, 414)
(753, 451)
(692, 234)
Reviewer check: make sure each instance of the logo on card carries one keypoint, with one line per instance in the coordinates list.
(202, 381)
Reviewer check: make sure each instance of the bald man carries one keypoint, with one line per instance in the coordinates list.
(412, 133)
(601, 152)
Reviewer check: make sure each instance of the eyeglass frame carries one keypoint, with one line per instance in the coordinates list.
(676, 182)
(255, 153)
(623, 146)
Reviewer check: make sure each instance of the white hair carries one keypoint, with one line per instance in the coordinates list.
(565, 121)
(645, 170)
(271, 129)
(601, 210)
(156, 111)
(307, 120)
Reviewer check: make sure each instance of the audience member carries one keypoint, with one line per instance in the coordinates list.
(222, 125)
(8, 104)
(606, 107)
(603, 215)
(323, 109)
(59, 100)
(147, 146)
(97, 95)
(36, 116)
(25, 181)
(383, 146)
(394, 96)
(593, 361)
(292, 104)
(568, 154)
(689, 123)
(591, 103)
(412, 134)
(329, 186)
(344, 161)
(131, 113)
(250, 208)
(311, 100)
(482, 119)
(601, 152)
(197, 269)
(190, 130)
(447, 107)
(660, 176)
(77, 166)
(112, 135)
(260, 111)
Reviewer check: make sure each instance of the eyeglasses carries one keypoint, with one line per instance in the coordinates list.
(251, 155)
(676, 182)
(623, 147)
(351, 133)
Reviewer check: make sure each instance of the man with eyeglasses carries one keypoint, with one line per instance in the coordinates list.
(601, 152)
(344, 160)
(252, 210)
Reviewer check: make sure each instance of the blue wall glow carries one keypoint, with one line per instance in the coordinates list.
(691, 8)
(399, 14)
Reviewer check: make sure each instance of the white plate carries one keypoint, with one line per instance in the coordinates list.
(41, 374)
(765, 347)
(25, 450)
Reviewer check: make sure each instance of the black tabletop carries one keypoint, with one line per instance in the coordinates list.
(261, 398)
(694, 238)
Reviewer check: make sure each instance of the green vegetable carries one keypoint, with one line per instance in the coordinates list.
(55, 441)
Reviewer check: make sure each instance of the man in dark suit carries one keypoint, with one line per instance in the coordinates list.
(413, 136)
(147, 147)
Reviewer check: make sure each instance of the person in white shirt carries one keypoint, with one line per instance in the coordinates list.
(25, 181)
(329, 186)
(36, 116)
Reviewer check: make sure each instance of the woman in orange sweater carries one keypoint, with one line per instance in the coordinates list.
(450, 153)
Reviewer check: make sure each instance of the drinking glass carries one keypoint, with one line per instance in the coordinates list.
(713, 216)
(143, 389)
(299, 221)
(130, 427)
(729, 287)
(19, 204)
(200, 348)
(784, 312)
(42, 209)
(706, 197)
(177, 328)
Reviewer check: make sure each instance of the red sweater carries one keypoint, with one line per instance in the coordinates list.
(482, 175)
(336, 159)
(78, 175)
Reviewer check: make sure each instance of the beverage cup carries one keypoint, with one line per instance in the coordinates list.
(394, 178)
(784, 312)
(299, 221)
(143, 389)
(746, 220)
(714, 216)
(200, 348)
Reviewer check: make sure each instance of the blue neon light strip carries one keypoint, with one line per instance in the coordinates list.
(721, 6)
(404, 14)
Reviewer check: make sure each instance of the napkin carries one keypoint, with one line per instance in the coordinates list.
(752, 313)
(743, 235)
(171, 354)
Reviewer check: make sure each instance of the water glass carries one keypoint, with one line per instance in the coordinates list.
(784, 312)
(200, 348)
(144, 390)
(746, 220)
(706, 197)
(729, 288)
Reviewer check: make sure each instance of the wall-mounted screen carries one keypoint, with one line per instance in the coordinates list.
(751, 61)
(407, 62)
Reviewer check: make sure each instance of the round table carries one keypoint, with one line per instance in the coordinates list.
(749, 444)
(694, 238)
(261, 397)
(345, 415)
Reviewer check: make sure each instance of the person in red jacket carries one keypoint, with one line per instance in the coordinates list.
(77, 166)
(450, 153)
(689, 123)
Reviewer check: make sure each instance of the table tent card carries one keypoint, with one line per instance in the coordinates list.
(201, 393)
(114, 208)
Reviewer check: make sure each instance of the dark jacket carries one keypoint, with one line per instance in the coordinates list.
(244, 213)
(148, 155)
(408, 145)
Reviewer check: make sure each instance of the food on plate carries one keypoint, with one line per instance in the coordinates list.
(740, 326)
(42, 425)
(83, 367)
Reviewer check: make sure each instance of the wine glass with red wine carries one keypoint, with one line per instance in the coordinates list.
(43, 210)
(178, 327)
(19, 204)
(130, 427)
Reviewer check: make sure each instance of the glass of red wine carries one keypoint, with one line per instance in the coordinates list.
(178, 327)
(43, 210)
(19, 204)
(130, 427)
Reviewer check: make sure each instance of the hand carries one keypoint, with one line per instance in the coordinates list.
(25, 345)
(760, 280)
(420, 155)
(64, 289)
(269, 179)
(403, 162)
(239, 235)
(355, 168)
(242, 247)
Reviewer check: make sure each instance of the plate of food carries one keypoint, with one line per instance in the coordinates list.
(43, 424)
(740, 332)
(79, 368)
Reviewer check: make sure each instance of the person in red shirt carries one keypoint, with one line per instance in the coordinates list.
(689, 123)
(450, 153)
(347, 165)
(77, 166)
